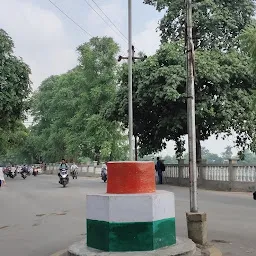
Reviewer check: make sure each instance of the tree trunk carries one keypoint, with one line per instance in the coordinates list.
(97, 155)
(136, 148)
(198, 147)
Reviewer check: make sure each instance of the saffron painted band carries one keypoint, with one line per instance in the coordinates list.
(131, 177)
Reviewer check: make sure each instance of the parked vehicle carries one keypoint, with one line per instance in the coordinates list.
(64, 179)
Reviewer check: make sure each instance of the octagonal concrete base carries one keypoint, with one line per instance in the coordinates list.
(130, 222)
(183, 247)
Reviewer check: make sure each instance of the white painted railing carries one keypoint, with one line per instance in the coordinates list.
(214, 172)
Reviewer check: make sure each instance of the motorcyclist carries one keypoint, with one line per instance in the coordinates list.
(24, 168)
(73, 168)
(104, 171)
(63, 165)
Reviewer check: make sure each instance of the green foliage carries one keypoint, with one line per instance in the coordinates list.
(216, 23)
(223, 85)
(227, 154)
(247, 157)
(68, 109)
(248, 41)
(12, 142)
(14, 84)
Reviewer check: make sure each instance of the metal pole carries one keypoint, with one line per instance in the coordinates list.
(191, 110)
(130, 79)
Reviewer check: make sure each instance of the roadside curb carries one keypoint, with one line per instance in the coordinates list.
(60, 253)
(209, 250)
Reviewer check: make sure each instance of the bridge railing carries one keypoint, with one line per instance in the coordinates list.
(230, 176)
(84, 169)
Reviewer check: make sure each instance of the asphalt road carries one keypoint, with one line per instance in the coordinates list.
(38, 217)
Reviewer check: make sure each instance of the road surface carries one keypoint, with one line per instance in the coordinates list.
(38, 217)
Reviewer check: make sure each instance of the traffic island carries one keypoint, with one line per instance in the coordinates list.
(132, 218)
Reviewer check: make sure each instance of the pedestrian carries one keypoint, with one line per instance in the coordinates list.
(2, 180)
(160, 168)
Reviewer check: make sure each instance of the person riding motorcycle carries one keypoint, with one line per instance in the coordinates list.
(24, 168)
(63, 165)
(73, 168)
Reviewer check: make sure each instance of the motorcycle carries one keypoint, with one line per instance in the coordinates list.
(35, 172)
(104, 175)
(74, 174)
(24, 172)
(64, 179)
(24, 175)
(8, 172)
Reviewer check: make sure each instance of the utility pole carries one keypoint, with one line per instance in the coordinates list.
(133, 62)
(130, 105)
(191, 108)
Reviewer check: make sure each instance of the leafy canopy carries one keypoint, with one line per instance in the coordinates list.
(14, 83)
(248, 41)
(68, 108)
(223, 87)
(217, 23)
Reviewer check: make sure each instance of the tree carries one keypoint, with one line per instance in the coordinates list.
(248, 41)
(216, 23)
(247, 157)
(12, 141)
(14, 83)
(227, 154)
(211, 157)
(223, 98)
(68, 109)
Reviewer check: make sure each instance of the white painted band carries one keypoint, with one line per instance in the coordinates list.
(130, 207)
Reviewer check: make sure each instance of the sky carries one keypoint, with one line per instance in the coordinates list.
(47, 40)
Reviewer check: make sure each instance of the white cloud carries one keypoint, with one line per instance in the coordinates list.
(39, 37)
(148, 40)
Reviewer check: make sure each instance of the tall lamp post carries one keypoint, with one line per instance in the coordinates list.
(191, 109)
(130, 59)
(196, 222)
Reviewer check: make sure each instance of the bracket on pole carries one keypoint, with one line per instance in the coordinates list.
(120, 57)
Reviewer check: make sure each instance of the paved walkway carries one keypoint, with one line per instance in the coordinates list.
(38, 217)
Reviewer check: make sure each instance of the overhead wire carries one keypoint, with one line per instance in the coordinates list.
(56, 6)
(110, 20)
(107, 17)
(84, 30)
(87, 2)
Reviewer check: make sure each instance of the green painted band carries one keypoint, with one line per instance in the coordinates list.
(135, 236)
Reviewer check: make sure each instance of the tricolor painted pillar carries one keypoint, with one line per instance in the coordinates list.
(132, 215)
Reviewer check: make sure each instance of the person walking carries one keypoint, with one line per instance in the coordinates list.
(2, 180)
(160, 168)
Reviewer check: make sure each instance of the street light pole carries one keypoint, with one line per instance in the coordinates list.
(130, 60)
(191, 109)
